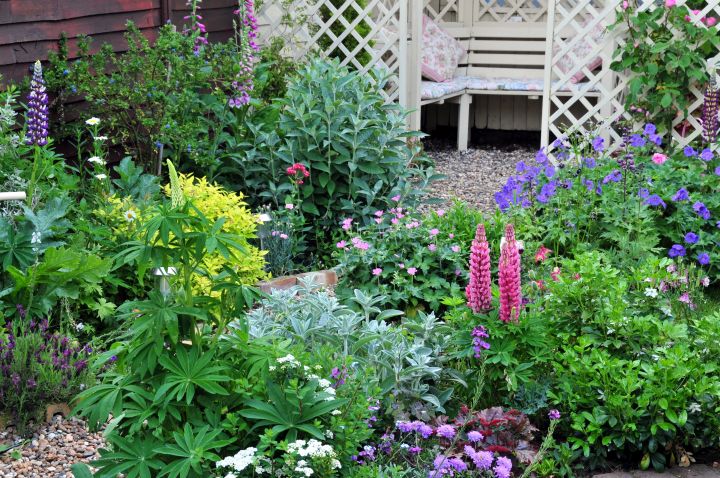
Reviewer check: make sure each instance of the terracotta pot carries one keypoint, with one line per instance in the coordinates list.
(56, 409)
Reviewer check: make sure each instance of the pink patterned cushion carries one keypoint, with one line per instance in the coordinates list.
(580, 50)
(441, 52)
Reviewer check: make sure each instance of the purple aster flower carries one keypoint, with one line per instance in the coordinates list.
(703, 258)
(588, 184)
(707, 155)
(483, 460)
(717, 171)
(445, 431)
(676, 251)
(637, 141)
(475, 436)
(614, 177)
(644, 193)
(590, 162)
(691, 238)
(701, 210)
(554, 414)
(405, 427)
(598, 144)
(501, 471)
(655, 200)
(681, 195)
(414, 450)
(689, 152)
(37, 113)
(649, 129)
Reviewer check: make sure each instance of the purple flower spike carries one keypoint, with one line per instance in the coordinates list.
(37, 114)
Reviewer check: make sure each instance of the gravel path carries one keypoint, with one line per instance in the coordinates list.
(475, 175)
(51, 451)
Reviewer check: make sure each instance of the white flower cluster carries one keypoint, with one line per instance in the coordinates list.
(238, 462)
(288, 361)
(312, 449)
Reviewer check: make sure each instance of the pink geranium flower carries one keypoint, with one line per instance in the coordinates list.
(432, 247)
(434, 232)
(377, 271)
(659, 158)
(670, 3)
(341, 245)
(396, 198)
(412, 271)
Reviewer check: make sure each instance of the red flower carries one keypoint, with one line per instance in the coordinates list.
(542, 254)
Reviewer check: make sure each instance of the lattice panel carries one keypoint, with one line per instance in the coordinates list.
(574, 23)
(447, 11)
(361, 37)
(509, 10)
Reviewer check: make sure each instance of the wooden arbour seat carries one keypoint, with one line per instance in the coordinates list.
(504, 58)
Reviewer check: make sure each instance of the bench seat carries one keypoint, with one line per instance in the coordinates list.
(433, 91)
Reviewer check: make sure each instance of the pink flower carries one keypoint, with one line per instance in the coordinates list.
(411, 271)
(394, 220)
(434, 232)
(377, 271)
(347, 223)
(711, 21)
(451, 235)
(432, 247)
(659, 158)
(458, 272)
(555, 274)
(396, 198)
(705, 281)
(289, 206)
(283, 236)
(542, 254)
(455, 248)
(341, 245)
(478, 291)
(401, 265)
(509, 278)
(378, 220)
(440, 212)
(625, 4)
(670, 3)
(360, 244)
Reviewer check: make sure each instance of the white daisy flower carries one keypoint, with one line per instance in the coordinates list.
(93, 121)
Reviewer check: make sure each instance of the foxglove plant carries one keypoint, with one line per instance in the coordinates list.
(509, 277)
(245, 37)
(196, 26)
(37, 114)
(478, 293)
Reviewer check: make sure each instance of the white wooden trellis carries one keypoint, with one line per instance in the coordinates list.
(609, 107)
(395, 25)
(304, 23)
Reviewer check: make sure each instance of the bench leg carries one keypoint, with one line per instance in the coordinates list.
(463, 122)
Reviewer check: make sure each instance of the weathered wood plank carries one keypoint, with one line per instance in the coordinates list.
(39, 31)
(24, 11)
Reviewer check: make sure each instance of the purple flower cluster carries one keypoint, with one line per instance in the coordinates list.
(247, 43)
(196, 26)
(55, 354)
(423, 429)
(478, 334)
(37, 114)
(447, 466)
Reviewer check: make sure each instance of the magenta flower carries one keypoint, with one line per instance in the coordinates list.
(509, 278)
(347, 223)
(341, 245)
(396, 198)
(377, 271)
(440, 212)
(412, 271)
(434, 232)
(455, 248)
(432, 247)
(478, 291)
(554, 415)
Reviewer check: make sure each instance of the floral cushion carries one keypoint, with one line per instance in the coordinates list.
(431, 90)
(441, 52)
(580, 50)
(522, 84)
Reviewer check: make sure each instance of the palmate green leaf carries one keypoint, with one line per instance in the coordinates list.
(134, 458)
(188, 371)
(193, 448)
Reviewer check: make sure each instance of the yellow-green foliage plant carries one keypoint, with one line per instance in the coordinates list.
(216, 202)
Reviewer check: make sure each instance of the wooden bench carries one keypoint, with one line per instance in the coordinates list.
(504, 58)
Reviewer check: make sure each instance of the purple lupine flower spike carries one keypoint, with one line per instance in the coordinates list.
(37, 114)
(711, 105)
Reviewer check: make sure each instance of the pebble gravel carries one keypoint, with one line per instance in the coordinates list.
(51, 451)
(475, 175)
